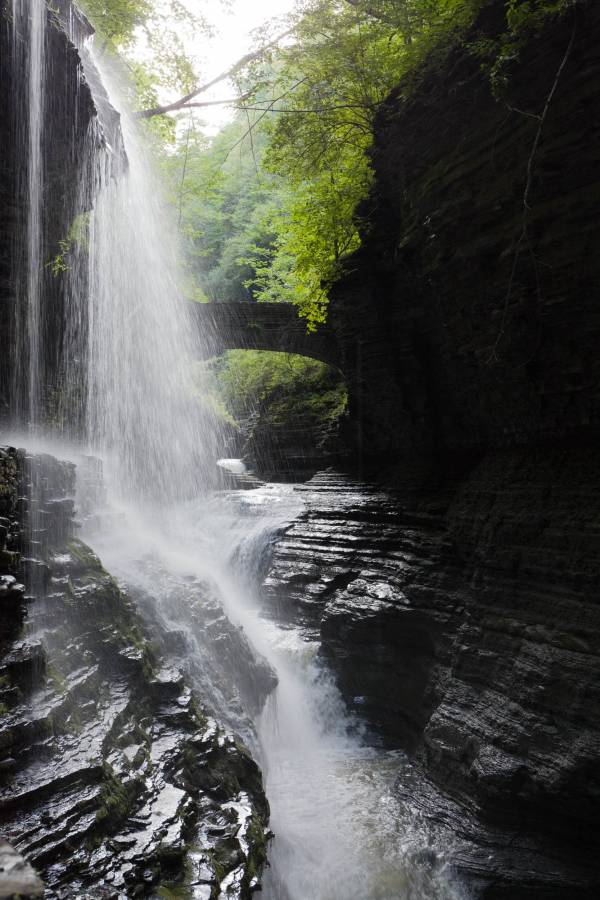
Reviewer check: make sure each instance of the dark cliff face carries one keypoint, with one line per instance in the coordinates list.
(460, 613)
(465, 629)
(68, 113)
(458, 332)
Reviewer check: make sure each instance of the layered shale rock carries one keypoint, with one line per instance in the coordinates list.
(466, 631)
(72, 119)
(115, 781)
(189, 625)
(292, 450)
(460, 611)
(458, 329)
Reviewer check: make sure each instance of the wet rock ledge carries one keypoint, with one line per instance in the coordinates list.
(114, 781)
(464, 626)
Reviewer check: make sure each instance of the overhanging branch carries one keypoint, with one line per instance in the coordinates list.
(187, 101)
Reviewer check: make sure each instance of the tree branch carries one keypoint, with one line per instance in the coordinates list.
(186, 101)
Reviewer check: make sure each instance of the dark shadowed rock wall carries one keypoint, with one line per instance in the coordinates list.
(464, 626)
(459, 608)
(455, 335)
(68, 112)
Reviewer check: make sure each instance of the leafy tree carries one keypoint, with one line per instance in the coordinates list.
(153, 29)
(286, 389)
(116, 20)
(225, 204)
(329, 84)
(268, 209)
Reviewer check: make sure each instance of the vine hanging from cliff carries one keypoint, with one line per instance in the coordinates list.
(522, 239)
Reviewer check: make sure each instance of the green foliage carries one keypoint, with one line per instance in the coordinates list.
(77, 238)
(317, 100)
(285, 388)
(268, 210)
(326, 91)
(115, 797)
(224, 204)
(209, 395)
(531, 15)
(315, 228)
(116, 20)
(523, 18)
(147, 34)
(271, 207)
(174, 892)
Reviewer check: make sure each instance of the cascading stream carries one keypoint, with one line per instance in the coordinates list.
(140, 408)
(339, 833)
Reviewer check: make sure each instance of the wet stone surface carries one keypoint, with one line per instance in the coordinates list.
(465, 629)
(114, 780)
(189, 624)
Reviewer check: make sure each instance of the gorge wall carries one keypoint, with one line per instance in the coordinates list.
(459, 607)
(114, 778)
(458, 331)
(69, 118)
(463, 627)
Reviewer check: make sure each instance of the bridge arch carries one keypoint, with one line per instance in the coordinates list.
(260, 326)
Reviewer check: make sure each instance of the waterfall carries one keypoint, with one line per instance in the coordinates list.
(140, 410)
(110, 363)
(340, 832)
(29, 28)
(125, 375)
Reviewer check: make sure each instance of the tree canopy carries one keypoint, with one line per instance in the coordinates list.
(268, 209)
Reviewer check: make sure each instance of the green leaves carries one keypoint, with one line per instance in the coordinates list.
(154, 29)
(314, 229)
(116, 20)
(323, 96)
(285, 388)
(268, 209)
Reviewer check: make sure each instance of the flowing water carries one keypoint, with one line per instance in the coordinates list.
(29, 17)
(339, 832)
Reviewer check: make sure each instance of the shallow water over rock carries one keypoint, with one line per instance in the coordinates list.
(339, 830)
(446, 633)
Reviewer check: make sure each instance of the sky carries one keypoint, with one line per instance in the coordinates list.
(234, 27)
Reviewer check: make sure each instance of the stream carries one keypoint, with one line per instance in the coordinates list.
(340, 833)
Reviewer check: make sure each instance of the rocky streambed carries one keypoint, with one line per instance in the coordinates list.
(463, 626)
(115, 779)
(459, 624)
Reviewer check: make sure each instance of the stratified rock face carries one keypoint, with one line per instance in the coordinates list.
(468, 631)
(68, 109)
(293, 451)
(113, 780)
(188, 623)
(70, 114)
(470, 636)
(457, 333)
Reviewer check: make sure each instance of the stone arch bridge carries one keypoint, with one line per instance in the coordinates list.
(259, 326)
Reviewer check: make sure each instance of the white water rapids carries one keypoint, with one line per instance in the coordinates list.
(339, 832)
